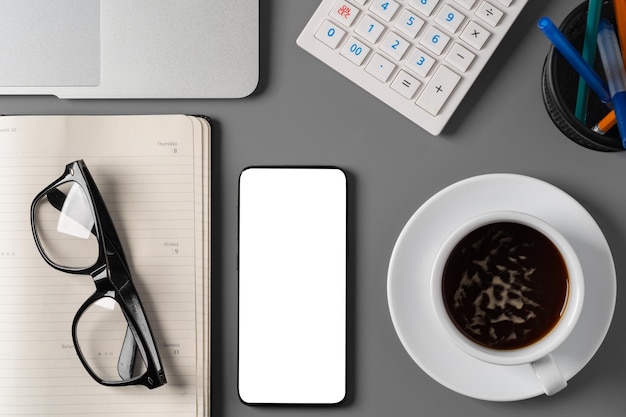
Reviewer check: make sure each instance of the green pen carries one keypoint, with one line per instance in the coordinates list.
(589, 55)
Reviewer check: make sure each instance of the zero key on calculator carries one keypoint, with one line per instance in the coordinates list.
(418, 56)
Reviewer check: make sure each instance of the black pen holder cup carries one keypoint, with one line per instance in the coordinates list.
(559, 84)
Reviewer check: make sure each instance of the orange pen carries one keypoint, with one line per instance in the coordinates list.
(620, 19)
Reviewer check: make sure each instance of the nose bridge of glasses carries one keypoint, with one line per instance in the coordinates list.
(119, 274)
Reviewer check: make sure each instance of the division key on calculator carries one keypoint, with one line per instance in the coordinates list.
(418, 56)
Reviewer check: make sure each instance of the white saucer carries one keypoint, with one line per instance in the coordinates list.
(411, 263)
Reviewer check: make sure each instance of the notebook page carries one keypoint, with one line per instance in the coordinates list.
(206, 272)
(204, 364)
(144, 167)
(202, 259)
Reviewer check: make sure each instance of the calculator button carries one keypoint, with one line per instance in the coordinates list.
(385, 9)
(489, 13)
(449, 18)
(405, 84)
(369, 28)
(475, 35)
(419, 62)
(438, 89)
(467, 4)
(435, 40)
(409, 24)
(355, 51)
(394, 45)
(344, 12)
(505, 3)
(361, 2)
(460, 57)
(330, 34)
(425, 7)
(380, 67)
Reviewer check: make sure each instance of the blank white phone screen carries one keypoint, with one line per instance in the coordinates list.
(292, 285)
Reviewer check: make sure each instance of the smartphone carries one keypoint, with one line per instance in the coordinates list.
(292, 285)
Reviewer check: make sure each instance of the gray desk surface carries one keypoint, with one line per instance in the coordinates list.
(305, 113)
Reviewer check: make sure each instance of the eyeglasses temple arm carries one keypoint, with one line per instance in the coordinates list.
(126, 362)
(135, 314)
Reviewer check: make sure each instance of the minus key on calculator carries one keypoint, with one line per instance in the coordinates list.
(418, 56)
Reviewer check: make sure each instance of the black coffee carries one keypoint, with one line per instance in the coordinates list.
(505, 285)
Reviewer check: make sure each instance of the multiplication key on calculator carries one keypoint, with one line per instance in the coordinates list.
(419, 56)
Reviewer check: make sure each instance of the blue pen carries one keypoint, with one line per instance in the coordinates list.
(613, 64)
(575, 59)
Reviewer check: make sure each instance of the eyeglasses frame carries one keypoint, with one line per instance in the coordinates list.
(112, 278)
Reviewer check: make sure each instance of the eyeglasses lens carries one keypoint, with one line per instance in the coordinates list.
(106, 343)
(65, 227)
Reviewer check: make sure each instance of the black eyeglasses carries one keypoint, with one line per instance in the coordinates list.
(75, 234)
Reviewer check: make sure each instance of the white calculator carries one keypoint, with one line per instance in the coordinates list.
(418, 56)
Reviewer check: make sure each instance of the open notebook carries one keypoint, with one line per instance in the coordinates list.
(153, 173)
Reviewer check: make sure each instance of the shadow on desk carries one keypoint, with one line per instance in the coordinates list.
(525, 23)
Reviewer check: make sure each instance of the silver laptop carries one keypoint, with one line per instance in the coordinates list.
(129, 48)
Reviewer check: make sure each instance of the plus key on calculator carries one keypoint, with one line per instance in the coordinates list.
(418, 56)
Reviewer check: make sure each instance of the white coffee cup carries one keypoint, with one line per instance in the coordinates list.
(539, 353)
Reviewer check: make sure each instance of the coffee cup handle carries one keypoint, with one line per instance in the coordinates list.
(549, 375)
